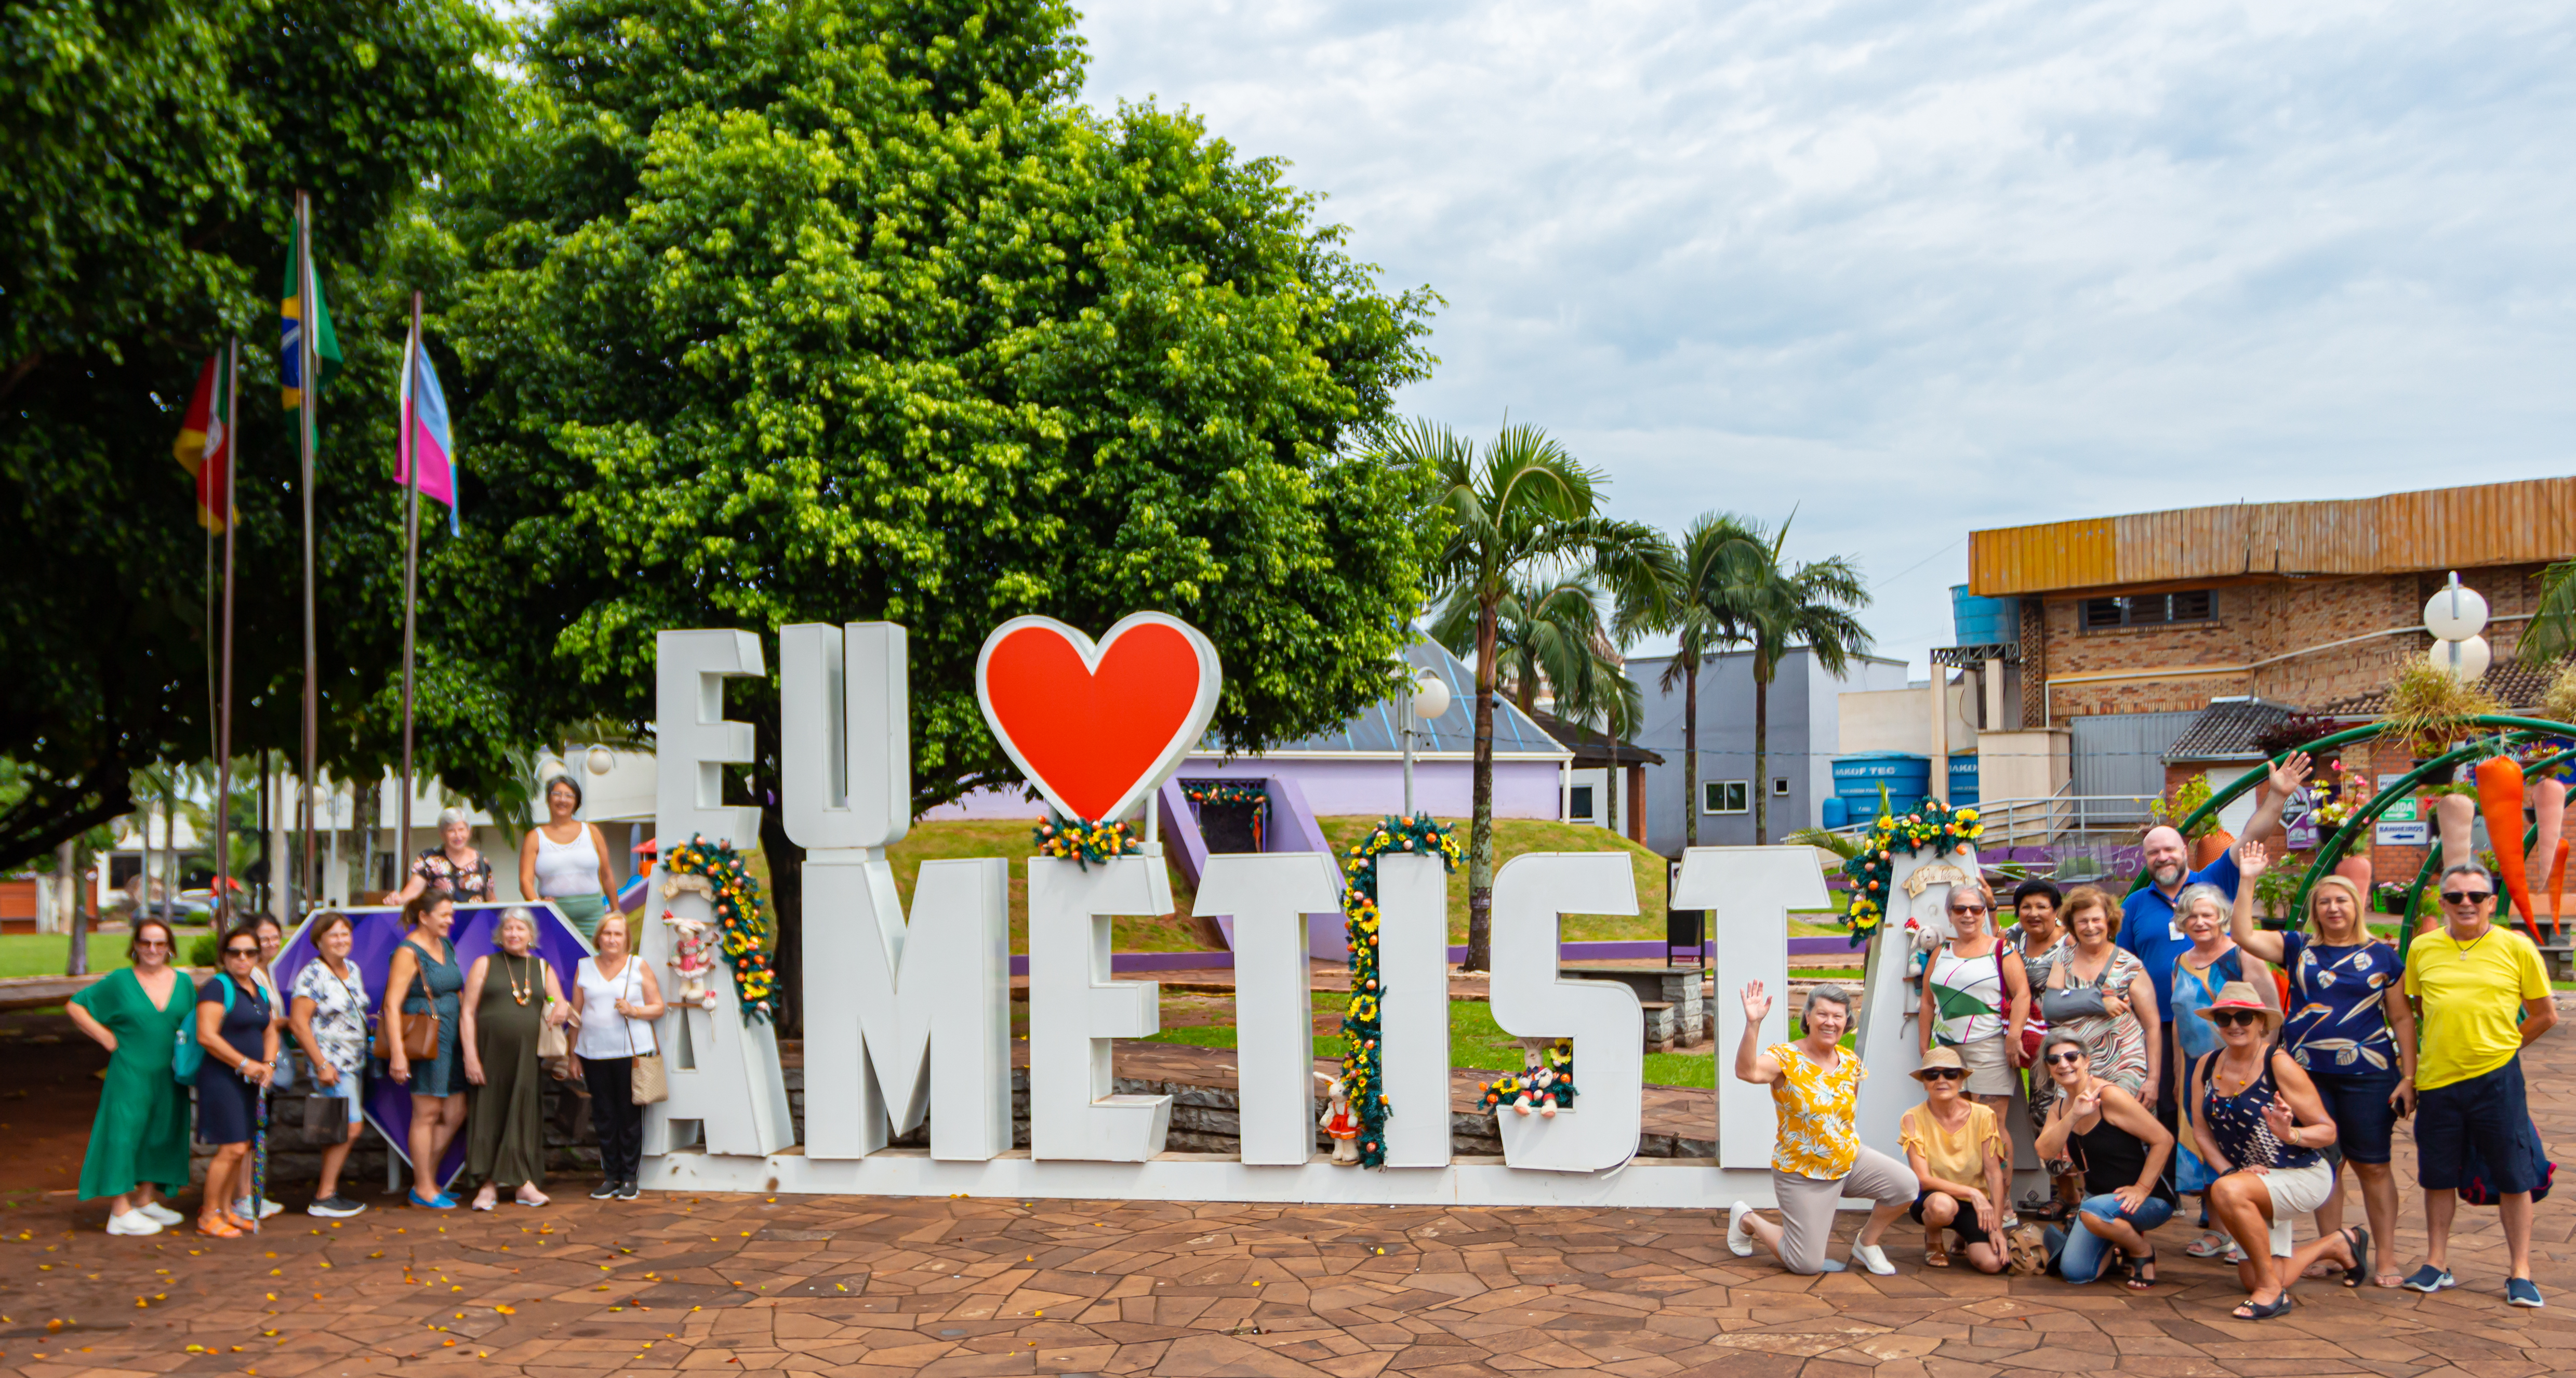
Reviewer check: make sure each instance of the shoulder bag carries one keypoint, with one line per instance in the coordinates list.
(420, 1031)
(644, 1070)
(188, 1054)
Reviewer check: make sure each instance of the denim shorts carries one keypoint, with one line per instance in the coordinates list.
(2358, 1104)
(2487, 1113)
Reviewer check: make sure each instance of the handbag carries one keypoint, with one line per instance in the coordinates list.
(326, 1120)
(420, 1032)
(649, 1086)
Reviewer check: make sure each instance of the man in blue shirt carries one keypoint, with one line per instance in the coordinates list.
(2147, 925)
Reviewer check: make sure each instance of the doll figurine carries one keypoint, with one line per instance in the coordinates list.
(689, 959)
(1341, 1124)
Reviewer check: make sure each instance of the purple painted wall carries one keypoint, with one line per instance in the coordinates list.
(1363, 786)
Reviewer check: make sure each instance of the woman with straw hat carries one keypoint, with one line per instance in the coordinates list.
(2259, 1125)
(1956, 1147)
(2351, 1030)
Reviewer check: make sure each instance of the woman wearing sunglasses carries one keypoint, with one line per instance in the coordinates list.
(138, 1145)
(2260, 1126)
(237, 1028)
(1976, 995)
(2350, 1028)
(2120, 1151)
(1956, 1148)
(2200, 972)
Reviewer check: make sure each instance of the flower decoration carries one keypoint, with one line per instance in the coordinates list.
(1416, 836)
(1929, 826)
(742, 920)
(1083, 841)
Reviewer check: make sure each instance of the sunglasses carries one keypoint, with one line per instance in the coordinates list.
(2070, 1058)
(150, 942)
(1967, 909)
(2228, 1019)
(1944, 1074)
(2467, 896)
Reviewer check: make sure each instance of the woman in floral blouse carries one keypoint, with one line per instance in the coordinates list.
(454, 869)
(328, 1013)
(1818, 1158)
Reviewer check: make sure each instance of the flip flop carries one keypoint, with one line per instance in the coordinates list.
(2358, 1236)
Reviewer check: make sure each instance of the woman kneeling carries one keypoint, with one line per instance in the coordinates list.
(2120, 1150)
(1956, 1149)
(2258, 1123)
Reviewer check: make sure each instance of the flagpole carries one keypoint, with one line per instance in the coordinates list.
(224, 715)
(411, 571)
(307, 368)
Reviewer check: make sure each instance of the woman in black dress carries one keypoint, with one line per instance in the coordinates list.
(453, 868)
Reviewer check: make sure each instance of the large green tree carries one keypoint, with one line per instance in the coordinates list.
(840, 310)
(1515, 509)
(1811, 604)
(150, 155)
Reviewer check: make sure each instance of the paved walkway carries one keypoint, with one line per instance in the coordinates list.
(745, 1284)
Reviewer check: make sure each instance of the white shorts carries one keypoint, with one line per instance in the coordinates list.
(2295, 1192)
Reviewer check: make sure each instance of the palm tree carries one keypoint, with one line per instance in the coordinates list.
(1811, 605)
(1550, 635)
(1516, 508)
(1703, 607)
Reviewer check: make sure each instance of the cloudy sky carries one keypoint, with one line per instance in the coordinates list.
(1916, 269)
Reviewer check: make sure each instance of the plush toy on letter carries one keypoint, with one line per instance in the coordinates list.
(689, 958)
(1341, 1124)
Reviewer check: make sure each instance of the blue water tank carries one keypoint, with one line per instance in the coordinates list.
(1984, 621)
(1856, 780)
(1833, 813)
(1963, 780)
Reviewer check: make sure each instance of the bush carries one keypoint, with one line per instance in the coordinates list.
(203, 951)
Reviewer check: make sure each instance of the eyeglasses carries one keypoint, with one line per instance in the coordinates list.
(2467, 896)
(1944, 1074)
(2228, 1019)
(2069, 1057)
(1967, 909)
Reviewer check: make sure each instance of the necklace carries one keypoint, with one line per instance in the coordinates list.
(2224, 1074)
(518, 992)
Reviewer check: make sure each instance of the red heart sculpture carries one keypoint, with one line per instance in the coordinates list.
(1095, 727)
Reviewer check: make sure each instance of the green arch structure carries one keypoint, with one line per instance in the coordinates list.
(2515, 729)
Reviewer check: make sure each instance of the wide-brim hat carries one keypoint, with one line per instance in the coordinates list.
(2238, 995)
(1939, 1057)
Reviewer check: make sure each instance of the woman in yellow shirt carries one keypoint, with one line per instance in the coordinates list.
(1818, 1158)
(1955, 1146)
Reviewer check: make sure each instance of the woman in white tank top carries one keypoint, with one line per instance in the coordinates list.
(565, 861)
(619, 1001)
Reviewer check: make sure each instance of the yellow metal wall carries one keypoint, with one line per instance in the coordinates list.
(2492, 524)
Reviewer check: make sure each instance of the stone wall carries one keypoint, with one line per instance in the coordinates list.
(571, 1151)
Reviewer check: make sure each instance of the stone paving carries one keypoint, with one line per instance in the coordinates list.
(884, 1286)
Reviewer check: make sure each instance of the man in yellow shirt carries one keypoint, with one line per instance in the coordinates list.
(2481, 994)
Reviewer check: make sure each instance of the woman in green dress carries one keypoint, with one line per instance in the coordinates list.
(138, 1147)
(510, 997)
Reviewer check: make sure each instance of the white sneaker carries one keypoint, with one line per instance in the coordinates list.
(162, 1213)
(133, 1222)
(1873, 1258)
(267, 1208)
(1738, 1238)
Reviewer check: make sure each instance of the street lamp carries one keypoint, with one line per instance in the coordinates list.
(1430, 699)
(2455, 616)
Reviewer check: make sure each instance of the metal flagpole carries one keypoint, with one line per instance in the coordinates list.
(308, 400)
(411, 575)
(224, 715)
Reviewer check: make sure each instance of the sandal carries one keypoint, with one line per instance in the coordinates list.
(2142, 1271)
(2251, 1310)
(2210, 1245)
(214, 1225)
(2358, 1237)
(1936, 1247)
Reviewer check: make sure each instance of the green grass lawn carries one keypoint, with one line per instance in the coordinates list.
(43, 954)
(1475, 1040)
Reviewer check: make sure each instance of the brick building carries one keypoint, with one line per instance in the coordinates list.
(2187, 629)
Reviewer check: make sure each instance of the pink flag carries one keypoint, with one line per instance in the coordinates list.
(425, 437)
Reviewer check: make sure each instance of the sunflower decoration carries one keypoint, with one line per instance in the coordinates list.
(742, 920)
(1930, 825)
(1416, 836)
(1083, 841)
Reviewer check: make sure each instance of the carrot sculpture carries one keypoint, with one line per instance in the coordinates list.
(2557, 882)
(2500, 799)
(2548, 815)
(2457, 814)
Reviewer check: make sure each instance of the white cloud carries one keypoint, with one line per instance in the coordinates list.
(1916, 269)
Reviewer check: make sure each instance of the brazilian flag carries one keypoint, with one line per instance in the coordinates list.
(303, 284)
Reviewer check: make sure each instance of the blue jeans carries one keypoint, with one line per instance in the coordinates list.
(2088, 1255)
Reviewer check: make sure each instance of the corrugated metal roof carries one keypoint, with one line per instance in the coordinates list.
(2526, 522)
(1373, 731)
(2227, 731)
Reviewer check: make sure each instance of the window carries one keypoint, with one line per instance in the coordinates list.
(1581, 809)
(2150, 609)
(1723, 796)
(1779, 788)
